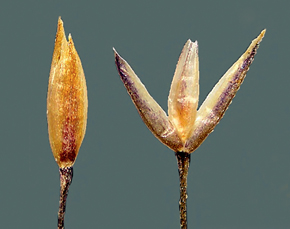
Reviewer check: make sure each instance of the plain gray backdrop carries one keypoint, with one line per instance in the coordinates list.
(123, 176)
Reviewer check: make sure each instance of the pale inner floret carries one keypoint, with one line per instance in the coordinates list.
(184, 92)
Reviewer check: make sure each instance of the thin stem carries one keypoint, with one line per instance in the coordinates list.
(183, 161)
(66, 175)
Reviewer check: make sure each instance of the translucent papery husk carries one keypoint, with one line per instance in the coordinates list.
(151, 113)
(219, 99)
(67, 101)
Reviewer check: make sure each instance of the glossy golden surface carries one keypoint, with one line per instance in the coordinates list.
(185, 127)
(67, 101)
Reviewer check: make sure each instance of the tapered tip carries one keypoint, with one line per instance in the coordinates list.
(191, 44)
(60, 27)
(69, 37)
(121, 64)
(263, 32)
(116, 54)
(261, 35)
(188, 41)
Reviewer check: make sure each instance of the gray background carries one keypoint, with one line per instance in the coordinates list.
(124, 177)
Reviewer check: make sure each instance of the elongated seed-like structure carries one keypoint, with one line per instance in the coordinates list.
(67, 102)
